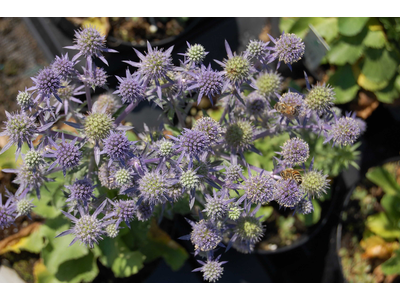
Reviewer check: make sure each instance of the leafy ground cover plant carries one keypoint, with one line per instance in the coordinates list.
(370, 240)
(102, 190)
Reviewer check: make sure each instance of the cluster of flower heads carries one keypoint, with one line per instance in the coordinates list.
(204, 164)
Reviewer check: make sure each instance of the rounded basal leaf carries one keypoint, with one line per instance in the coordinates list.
(370, 85)
(344, 83)
(381, 225)
(392, 265)
(347, 50)
(302, 25)
(389, 93)
(379, 65)
(352, 26)
(397, 83)
(328, 29)
(375, 39)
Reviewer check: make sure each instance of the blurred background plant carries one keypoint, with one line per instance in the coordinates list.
(371, 228)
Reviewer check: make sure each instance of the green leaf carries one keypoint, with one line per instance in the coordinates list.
(311, 218)
(83, 269)
(328, 29)
(131, 136)
(391, 204)
(392, 265)
(370, 85)
(383, 178)
(7, 159)
(35, 242)
(375, 39)
(285, 24)
(265, 212)
(127, 264)
(344, 83)
(379, 65)
(347, 50)
(381, 225)
(301, 26)
(389, 93)
(351, 26)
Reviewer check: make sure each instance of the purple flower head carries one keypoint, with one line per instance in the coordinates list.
(81, 190)
(248, 229)
(23, 206)
(67, 94)
(67, 155)
(288, 193)
(258, 189)
(288, 48)
(88, 229)
(345, 131)
(192, 143)
(269, 83)
(33, 159)
(255, 104)
(47, 83)
(154, 65)
(205, 236)
(153, 187)
(295, 152)
(106, 174)
(237, 68)
(216, 206)
(95, 78)
(320, 98)
(24, 99)
(98, 126)
(233, 173)
(212, 269)
(210, 127)
(144, 211)
(123, 211)
(63, 66)
(314, 182)
(117, 146)
(90, 42)
(131, 88)
(239, 136)
(208, 82)
(304, 207)
(19, 128)
(7, 213)
(258, 49)
(195, 53)
(107, 103)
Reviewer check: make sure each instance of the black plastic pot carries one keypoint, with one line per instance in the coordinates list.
(339, 229)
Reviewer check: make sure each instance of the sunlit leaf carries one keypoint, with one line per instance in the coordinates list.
(381, 225)
(383, 178)
(379, 65)
(344, 83)
(392, 265)
(313, 217)
(350, 26)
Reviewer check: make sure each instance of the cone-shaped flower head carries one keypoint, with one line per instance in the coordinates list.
(112, 230)
(189, 179)
(233, 173)
(88, 229)
(24, 207)
(98, 126)
(205, 235)
(95, 78)
(269, 83)
(68, 155)
(288, 193)
(315, 183)
(320, 98)
(107, 103)
(257, 49)
(344, 131)
(208, 82)
(255, 104)
(234, 211)
(249, 228)
(210, 127)
(239, 136)
(304, 207)
(124, 210)
(259, 188)
(123, 177)
(82, 190)
(131, 88)
(195, 53)
(47, 83)
(288, 48)
(34, 159)
(24, 99)
(295, 151)
(193, 143)
(153, 187)
(165, 148)
(216, 206)
(212, 269)
(63, 66)
(117, 146)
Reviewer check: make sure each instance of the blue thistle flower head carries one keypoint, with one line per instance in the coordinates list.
(269, 83)
(23, 207)
(315, 183)
(205, 236)
(63, 66)
(131, 88)
(7, 213)
(295, 152)
(195, 53)
(320, 98)
(107, 103)
(291, 98)
(257, 49)
(248, 229)
(98, 126)
(88, 229)
(153, 187)
(258, 189)
(210, 127)
(216, 206)
(47, 83)
(34, 159)
(144, 211)
(24, 99)
(123, 211)
(233, 173)
(304, 207)
(345, 131)
(106, 175)
(67, 155)
(208, 82)
(124, 178)
(239, 136)
(82, 190)
(288, 193)
(288, 48)
(94, 78)
(255, 104)
(193, 143)
(165, 148)
(212, 269)
(117, 146)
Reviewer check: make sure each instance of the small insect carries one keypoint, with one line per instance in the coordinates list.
(287, 109)
(292, 174)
